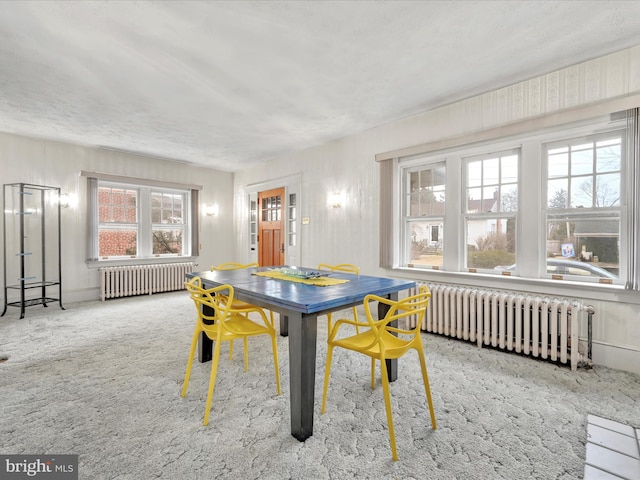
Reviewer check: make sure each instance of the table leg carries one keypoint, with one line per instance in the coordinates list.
(303, 331)
(205, 344)
(392, 365)
(284, 325)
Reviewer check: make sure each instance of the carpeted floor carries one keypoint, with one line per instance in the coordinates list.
(102, 380)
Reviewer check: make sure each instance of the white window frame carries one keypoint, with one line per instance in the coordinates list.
(408, 219)
(533, 162)
(145, 225)
(144, 254)
(591, 212)
(498, 214)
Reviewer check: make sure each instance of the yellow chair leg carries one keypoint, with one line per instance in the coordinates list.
(212, 382)
(373, 373)
(192, 352)
(355, 318)
(327, 373)
(427, 388)
(387, 404)
(230, 349)
(276, 363)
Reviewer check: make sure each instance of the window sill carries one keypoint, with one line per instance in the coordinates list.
(123, 262)
(544, 287)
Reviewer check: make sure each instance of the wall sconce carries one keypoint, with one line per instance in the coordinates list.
(66, 200)
(211, 210)
(335, 200)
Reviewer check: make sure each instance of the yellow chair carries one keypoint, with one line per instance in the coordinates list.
(349, 268)
(228, 324)
(239, 305)
(346, 268)
(383, 341)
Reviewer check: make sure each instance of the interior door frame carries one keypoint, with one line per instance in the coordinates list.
(292, 186)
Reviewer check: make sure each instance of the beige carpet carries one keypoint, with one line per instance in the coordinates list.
(102, 380)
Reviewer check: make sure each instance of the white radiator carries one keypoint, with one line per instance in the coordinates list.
(531, 325)
(143, 279)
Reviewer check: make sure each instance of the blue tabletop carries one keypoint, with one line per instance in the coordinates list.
(301, 297)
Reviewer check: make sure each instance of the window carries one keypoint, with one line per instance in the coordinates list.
(491, 205)
(292, 220)
(167, 222)
(552, 205)
(424, 213)
(583, 211)
(141, 220)
(118, 221)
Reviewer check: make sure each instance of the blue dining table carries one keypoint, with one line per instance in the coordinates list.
(299, 306)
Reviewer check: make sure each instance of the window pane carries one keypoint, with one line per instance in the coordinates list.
(490, 242)
(117, 242)
(489, 200)
(118, 214)
(474, 175)
(491, 171)
(167, 241)
(608, 158)
(474, 200)
(581, 192)
(426, 192)
(608, 190)
(509, 198)
(492, 184)
(156, 215)
(558, 163)
(581, 160)
(509, 169)
(583, 246)
(414, 182)
(117, 205)
(558, 193)
(426, 243)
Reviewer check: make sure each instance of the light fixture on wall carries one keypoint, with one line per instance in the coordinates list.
(66, 200)
(335, 200)
(211, 210)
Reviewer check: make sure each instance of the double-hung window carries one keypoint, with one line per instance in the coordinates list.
(140, 219)
(583, 208)
(118, 226)
(554, 204)
(490, 208)
(424, 204)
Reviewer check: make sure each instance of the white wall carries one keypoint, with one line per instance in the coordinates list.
(350, 234)
(42, 162)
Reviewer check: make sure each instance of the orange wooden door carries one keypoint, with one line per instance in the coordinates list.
(271, 227)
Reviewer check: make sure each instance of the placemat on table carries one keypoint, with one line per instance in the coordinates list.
(318, 282)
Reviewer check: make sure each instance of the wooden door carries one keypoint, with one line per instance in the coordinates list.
(271, 227)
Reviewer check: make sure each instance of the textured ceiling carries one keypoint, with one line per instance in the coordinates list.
(229, 84)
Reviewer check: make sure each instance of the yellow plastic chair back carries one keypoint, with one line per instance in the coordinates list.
(221, 323)
(385, 340)
(233, 266)
(238, 304)
(341, 267)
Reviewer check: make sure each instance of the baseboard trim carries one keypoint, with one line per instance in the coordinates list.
(619, 358)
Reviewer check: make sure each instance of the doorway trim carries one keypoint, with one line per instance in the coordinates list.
(292, 186)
